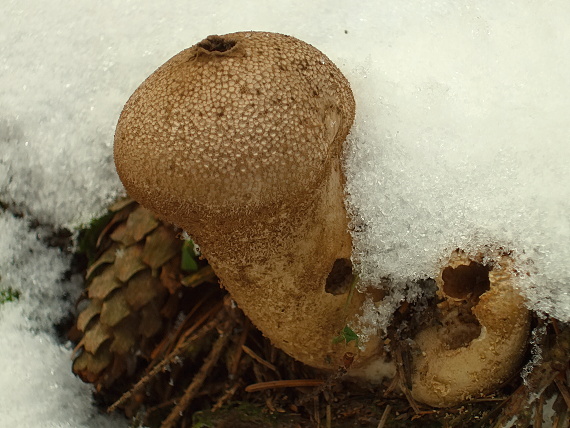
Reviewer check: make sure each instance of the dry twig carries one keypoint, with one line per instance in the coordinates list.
(260, 360)
(403, 373)
(226, 396)
(538, 413)
(209, 363)
(384, 417)
(162, 365)
(237, 357)
(561, 384)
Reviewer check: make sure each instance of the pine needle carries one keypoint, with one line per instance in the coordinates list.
(384, 417)
(290, 383)
(257, 358)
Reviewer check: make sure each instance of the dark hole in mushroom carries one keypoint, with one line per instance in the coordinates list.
(460, 326)
(217, 44)
(466, 281)
(340, 277)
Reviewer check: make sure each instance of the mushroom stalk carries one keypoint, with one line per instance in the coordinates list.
(276, 265)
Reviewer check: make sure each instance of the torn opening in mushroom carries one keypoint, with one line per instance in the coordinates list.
(217, 43)
(462, 285)
(340, 278)
(465, 281)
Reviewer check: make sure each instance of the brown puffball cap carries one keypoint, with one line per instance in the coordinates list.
(234, 124)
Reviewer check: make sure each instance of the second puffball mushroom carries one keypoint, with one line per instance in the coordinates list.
(480, 337)
(237, 140)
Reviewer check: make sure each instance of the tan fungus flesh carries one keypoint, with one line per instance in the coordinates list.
(238, 141)
(481, 337)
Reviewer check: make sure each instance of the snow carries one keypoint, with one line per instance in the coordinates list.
(461, 140)
(37, 388)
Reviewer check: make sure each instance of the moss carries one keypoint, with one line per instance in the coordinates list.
(9, 295)
(241, 415)
(88, 236)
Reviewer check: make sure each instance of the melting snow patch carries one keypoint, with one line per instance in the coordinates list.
(462, 141)
(37, 387)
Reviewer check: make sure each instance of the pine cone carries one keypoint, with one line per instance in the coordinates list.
(133, 295)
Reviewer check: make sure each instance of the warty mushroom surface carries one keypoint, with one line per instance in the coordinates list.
(238, 141)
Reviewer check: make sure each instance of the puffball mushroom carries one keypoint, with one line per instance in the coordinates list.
(481, 337)
(238, 141)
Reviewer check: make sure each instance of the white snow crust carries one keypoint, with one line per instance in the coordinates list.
(37, 387)
(461, 140)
